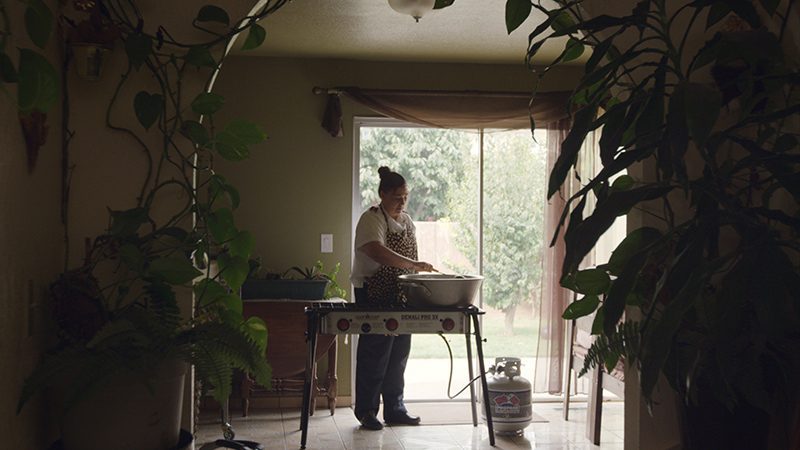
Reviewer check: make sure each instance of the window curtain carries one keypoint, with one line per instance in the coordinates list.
(550, 351)
(450, 109)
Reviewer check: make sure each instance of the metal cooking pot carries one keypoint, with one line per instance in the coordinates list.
(439, 290)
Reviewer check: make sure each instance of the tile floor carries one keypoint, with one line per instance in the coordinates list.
(279, 430)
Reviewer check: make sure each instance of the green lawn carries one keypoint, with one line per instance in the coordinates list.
(498, 341)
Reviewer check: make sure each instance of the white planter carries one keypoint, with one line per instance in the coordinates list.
(125, 415)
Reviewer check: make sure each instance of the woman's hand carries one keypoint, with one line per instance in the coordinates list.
(422, 266)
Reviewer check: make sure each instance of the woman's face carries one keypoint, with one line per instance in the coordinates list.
(394, 201)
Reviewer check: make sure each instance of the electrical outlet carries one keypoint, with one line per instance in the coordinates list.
(326, 243)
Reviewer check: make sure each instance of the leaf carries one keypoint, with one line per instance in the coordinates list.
(38, 87)
(234, 270)
(255, 37)
(597, 323)
(573, 50)
(207, 103)
(207, 291)
(770, 6)
(652, 117)
(200, 56)
(173, 269)
(212, 13)
(138, 47)
(246, 132)
(232, 303)
(8, 73)
(195, 131)
(703, 104)
(218, 185)
(635, 242)
(613, 127)
(242, 244)
(220, 223)
(562, 21)
(256, 329)
(516, 13)
(717, 12)
(582, 307)
(623, 183)
(38, 22)
(592, 281)
(570, 148)
(442, 4)
(230, 147)
(583, 235)
(148, 108)
(132, 257)
(126, 223)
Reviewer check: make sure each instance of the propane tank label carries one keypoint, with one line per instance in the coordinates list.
(510, 405)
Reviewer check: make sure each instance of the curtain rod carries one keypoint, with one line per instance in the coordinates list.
(431, 93)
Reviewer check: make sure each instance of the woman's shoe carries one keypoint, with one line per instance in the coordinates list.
(371, 422)
(403, 418)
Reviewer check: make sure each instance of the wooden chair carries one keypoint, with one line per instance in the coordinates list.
(580, 340)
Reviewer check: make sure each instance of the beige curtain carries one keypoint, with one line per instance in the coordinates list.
(550, 351)
(450, 109)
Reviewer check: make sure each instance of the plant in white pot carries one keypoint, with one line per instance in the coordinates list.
(123, 342)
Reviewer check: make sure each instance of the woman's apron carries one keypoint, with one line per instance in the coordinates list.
(383, 288)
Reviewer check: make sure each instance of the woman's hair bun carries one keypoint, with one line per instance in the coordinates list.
(383, 171)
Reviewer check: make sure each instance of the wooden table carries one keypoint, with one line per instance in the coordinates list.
(287, 350)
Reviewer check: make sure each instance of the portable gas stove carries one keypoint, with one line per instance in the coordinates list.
(349, 318)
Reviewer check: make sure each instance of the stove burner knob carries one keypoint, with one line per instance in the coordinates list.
(343, 324)
(448, 324)
(391, 324)
(366, 328)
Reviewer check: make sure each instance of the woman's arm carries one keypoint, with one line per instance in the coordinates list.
(386, 257)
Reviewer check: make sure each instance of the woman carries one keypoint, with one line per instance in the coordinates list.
(385, 248)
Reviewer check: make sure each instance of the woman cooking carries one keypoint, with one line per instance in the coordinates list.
(385, 248)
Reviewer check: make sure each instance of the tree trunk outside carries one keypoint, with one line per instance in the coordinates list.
(509, 319)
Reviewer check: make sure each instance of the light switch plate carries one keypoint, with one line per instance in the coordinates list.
(326, 243)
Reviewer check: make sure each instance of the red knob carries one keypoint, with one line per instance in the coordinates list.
(343, 324)
(391, 324)
(448, 324)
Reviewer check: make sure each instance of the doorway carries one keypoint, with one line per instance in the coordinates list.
(477, 199)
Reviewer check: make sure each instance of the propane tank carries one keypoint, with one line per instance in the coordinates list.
(509, 397)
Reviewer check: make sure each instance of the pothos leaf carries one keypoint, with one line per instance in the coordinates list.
(255, 37)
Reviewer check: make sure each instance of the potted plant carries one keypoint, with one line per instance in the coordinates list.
(123, 342)
(711, 281)
(302, 283)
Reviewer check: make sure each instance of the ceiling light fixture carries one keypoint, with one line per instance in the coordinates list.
(414, 8)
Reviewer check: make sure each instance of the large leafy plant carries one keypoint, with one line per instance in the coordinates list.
(119, 311)
(714, 274)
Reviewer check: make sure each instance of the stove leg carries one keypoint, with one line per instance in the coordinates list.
(311, 337)
(472, 396)
(484, 384)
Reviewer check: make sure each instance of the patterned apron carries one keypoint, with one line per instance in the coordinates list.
(383, 288)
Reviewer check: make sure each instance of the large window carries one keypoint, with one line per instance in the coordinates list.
(477, 200)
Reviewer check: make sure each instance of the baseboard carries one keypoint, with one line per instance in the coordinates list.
(273, 402)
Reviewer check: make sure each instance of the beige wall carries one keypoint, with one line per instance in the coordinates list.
(298, 184)
(31, 253)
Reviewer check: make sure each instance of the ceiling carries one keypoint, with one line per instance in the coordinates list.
(469, 31)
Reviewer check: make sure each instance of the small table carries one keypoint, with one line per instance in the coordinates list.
(349, 318)
(286, 349)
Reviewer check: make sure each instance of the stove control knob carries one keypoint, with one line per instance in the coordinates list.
(343, 324)
(366, 328)
(391, 324)
(448, 324)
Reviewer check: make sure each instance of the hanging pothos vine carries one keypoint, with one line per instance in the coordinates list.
(118, 311)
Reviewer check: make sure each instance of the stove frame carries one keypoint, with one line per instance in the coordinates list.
(322, 317)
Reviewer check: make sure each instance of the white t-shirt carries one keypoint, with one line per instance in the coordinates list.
(372, 227)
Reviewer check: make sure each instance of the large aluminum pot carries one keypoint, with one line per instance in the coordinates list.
(440, 290)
